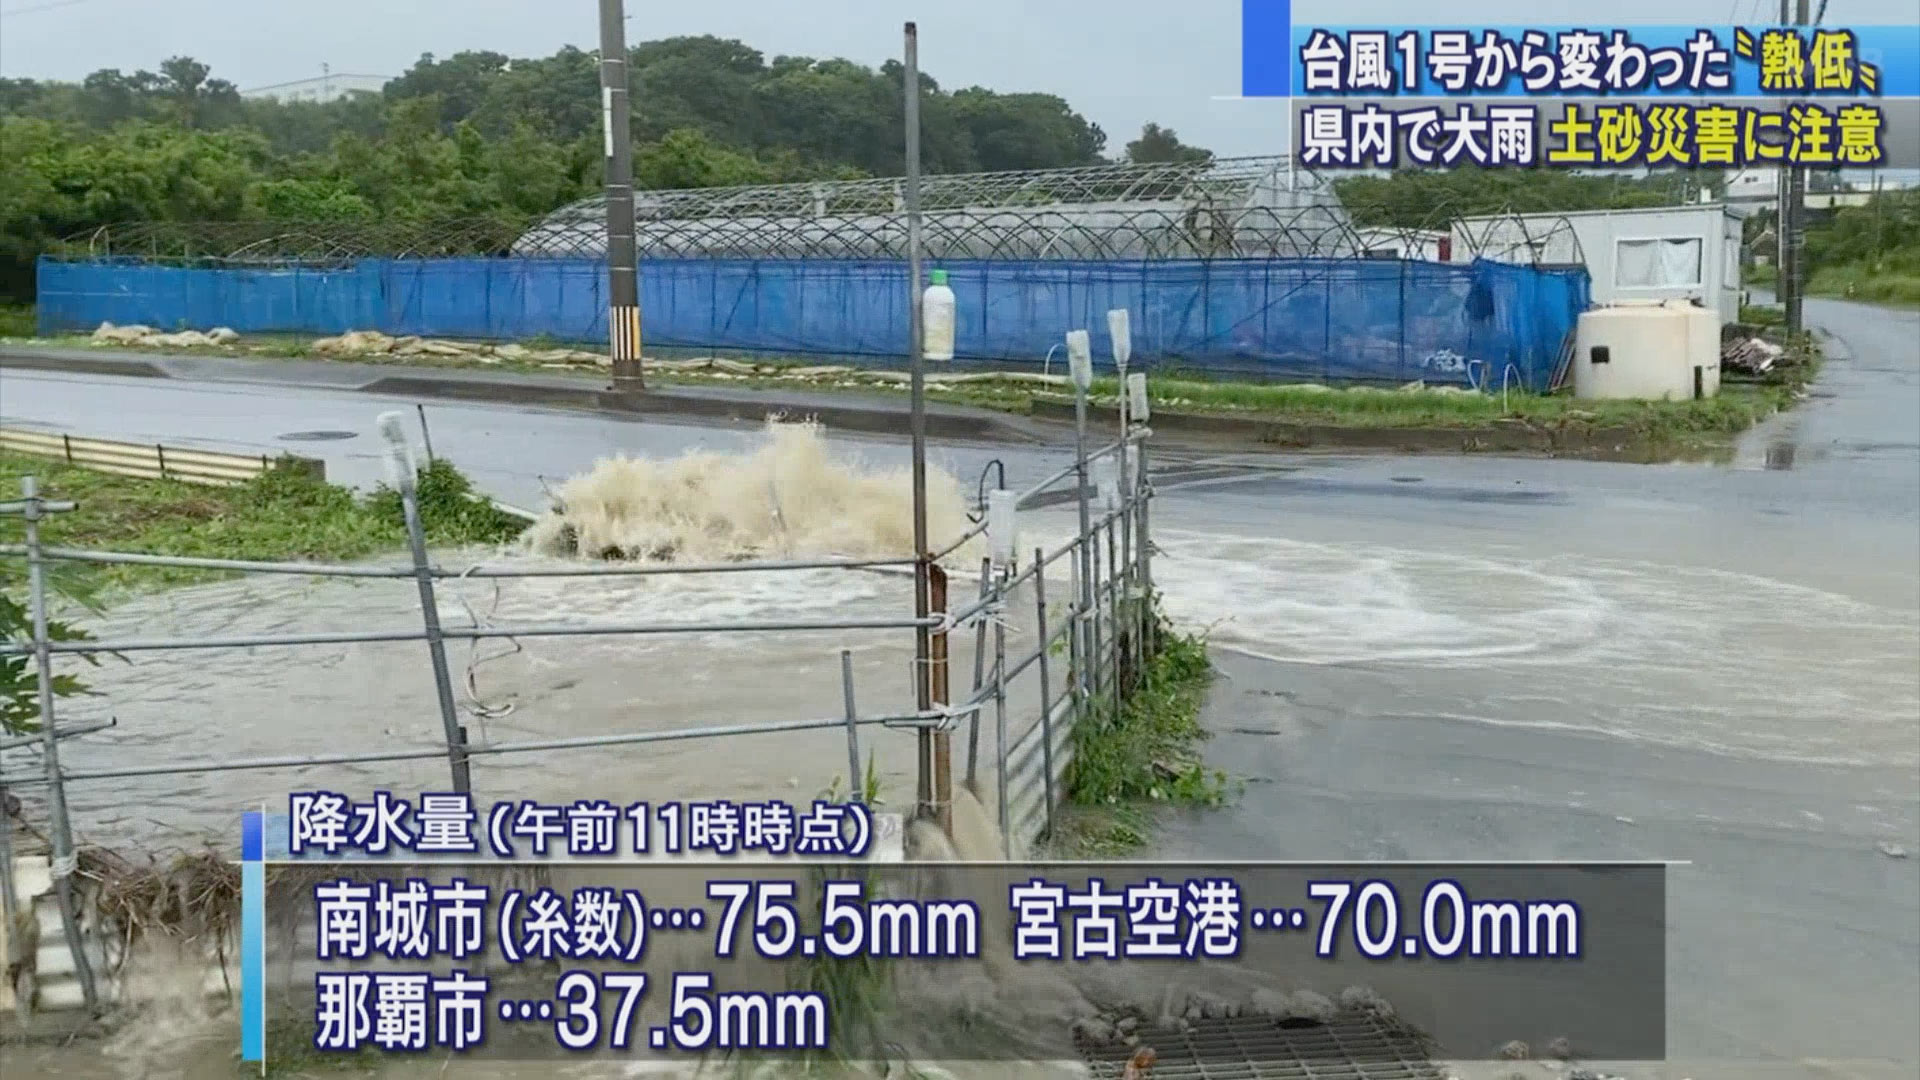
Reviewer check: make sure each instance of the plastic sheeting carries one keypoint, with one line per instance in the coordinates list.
(1324, 319)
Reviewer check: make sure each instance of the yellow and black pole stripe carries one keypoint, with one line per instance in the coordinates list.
(623, 333)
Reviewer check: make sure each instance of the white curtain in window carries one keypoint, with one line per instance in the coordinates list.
(1653, 264)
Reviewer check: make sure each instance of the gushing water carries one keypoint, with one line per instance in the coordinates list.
(790, 498)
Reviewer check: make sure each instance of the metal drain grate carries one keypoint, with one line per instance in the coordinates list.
(1351, 1047)
(318, 436)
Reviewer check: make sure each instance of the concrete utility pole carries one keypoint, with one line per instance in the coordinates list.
(623, 269)
(922, 599)
(1796, 233)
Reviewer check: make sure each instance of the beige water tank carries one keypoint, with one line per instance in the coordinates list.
(1651, 350)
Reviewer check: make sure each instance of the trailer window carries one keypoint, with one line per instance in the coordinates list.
(1657, 263)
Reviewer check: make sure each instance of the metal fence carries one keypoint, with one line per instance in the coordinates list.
(1064, 231)
(152, 460)
(1089, 595)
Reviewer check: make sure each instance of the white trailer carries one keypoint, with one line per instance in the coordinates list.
(1657, 253)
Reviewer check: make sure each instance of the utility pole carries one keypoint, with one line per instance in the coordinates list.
(922, 568)
(1782, 213)
(1797, 235)
(623, 270)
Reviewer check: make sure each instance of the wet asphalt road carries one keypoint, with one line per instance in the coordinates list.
(1794, 936)
(1452, 657)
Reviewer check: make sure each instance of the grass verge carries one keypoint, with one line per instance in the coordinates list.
(1173, 388)
(1860, 281)
(17, 321)
(1144, 755)
(284, 514)
(1734, 410)
(1857, 281)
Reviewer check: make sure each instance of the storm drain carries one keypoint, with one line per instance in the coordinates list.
(318, 436)
(1350, 1047)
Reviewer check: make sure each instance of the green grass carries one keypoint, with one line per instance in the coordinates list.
(1852, 281)
(1176, 388)
(285, 513)
(1860, 282)
(1734, 410)
(1146, 756)
(17, 321)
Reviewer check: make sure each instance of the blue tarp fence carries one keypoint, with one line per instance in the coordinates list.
(1324, 319)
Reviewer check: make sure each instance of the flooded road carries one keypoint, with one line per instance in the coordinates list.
(1422, 657)
(1478, 658)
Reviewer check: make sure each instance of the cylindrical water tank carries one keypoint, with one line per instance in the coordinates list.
(937, 318)
(1647, 350)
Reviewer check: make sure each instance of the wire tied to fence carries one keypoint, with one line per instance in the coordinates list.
(992, 612)
(481, 709)
(65, 866)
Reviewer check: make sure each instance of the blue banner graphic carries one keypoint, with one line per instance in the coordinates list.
(253, 937)
(1266, 48)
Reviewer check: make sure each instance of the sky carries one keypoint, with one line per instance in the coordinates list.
(1121, 63)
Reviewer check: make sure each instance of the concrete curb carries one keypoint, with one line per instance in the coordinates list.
(40, 360)
(839, 412)
(736, 410)
(1050, 422)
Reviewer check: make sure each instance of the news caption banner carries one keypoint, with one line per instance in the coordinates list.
(541, 931)
(1590, 97)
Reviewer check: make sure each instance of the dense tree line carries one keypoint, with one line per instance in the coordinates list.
(1430, 198)
(479, 134)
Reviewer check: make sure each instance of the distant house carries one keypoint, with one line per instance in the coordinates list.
(1423, 244)
(320, 90)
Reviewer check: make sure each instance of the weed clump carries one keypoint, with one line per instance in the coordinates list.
(285, 513)
(1146, 752)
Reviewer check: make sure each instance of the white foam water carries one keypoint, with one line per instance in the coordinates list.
(791, 497)
(1706, 659)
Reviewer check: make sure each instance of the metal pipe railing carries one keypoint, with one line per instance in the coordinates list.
(1108, 641)
(480, 570)
(360, 637)
(583, 742)
(658, 569)
(1108, 558)
(244, 566)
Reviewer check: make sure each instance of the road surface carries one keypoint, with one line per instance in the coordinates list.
(1459, 657)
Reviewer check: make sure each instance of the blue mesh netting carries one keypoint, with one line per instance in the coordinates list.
(1332, 319)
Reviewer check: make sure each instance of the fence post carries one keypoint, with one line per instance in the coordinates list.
(59, 828)
(1114, 686)
(1096, 641)
(1083, 552)
(426, 437)
(937, 684)
(1149, 625)
(856, 787)
(8, 909)
(1046, 683)
(1076, 656)
(979, 678)
(400, 471)
(1000, 713)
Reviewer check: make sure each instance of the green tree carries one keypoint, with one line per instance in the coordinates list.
(1158, 145)
(477, 135)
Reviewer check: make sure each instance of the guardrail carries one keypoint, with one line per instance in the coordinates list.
(152, 461)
